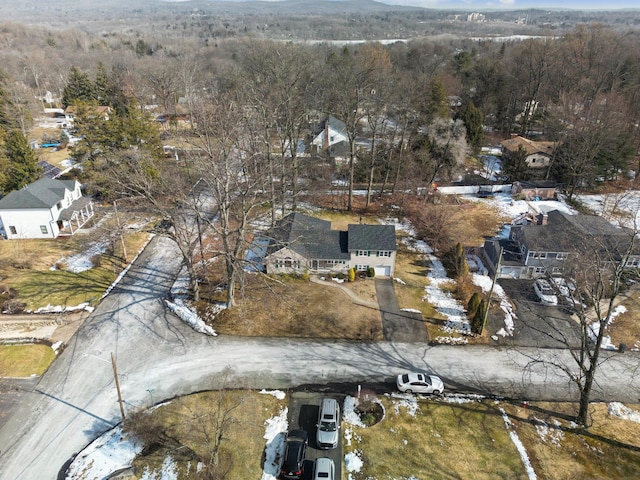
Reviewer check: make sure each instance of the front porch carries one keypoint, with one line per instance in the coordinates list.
(75, 217)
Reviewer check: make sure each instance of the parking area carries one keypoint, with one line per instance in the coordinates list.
(303, 413)
(538, 325)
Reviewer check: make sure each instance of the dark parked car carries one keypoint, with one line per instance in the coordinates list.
(294, 450)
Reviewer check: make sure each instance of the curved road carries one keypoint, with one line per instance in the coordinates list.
(159, 357)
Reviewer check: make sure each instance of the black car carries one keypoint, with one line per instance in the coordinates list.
(294, 450)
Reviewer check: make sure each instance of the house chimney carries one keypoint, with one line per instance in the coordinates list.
(326, 135)
(543, 218)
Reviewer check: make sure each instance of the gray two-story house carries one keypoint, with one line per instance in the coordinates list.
(300, 243)
(543, 248)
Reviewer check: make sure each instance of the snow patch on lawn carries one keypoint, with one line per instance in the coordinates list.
(553, 433)
(168, 471)
(188, 316)
(353, 463)
(619, 410)
(279, 394)
(594, 329)
(110, 452)
(83, 261)
(519, 446)
(60, 309)
(484, 282)
(275, 434)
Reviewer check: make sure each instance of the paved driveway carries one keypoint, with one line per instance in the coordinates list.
(538, 325)
(398, 326)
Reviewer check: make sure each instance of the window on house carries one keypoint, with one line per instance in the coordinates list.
(383, 253)
(13, 230)
(542, 255)
(561, 256)
(362, 268)
(43, 229)
(540, 270)
(287, 262)
(362, 253)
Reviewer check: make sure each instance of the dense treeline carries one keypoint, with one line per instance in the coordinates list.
(412, 114)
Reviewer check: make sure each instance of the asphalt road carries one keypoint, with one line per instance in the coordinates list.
(159, 357)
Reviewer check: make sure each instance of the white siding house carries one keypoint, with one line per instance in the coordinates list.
(45, 208)
(333, 132)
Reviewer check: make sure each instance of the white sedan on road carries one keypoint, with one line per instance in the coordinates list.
(419, 383)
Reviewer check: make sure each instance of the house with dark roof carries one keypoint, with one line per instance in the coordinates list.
(537, 154)
(543, 248)
(45, 208)
(300, 243)
(330, 135)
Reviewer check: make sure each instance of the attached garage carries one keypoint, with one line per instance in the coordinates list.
(382, 271)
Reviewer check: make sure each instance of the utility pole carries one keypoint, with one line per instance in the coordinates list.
(115, 374)
(493, 284)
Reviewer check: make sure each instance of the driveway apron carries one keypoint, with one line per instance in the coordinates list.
(398, 326)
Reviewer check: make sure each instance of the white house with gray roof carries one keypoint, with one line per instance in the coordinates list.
(300, 243)
(45, 208)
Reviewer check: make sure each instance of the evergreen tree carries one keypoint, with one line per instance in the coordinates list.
(477, 320)
(79, 88)
(20, 162)
(473, 119)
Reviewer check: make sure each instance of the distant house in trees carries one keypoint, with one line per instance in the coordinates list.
(300, 243)
(45, 208)
(97, 112)
(538, 154)
(330, 135)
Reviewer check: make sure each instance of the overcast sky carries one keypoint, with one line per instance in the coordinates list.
(518, 4)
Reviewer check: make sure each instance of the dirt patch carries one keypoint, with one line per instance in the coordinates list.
(21, 326)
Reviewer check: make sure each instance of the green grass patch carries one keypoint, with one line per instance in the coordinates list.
(442, 440)
(27, 269)
(25, 360)
(470, 440)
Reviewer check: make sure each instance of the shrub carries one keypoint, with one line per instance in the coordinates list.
(61, 265)
(455, 262)
(371, 272)
(96, 260)
(340, 276)
(13, 306)
(352, 274)
(478, 318)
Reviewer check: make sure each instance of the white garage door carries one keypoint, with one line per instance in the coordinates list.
(382, 271)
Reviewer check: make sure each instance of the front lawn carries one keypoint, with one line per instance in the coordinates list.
(36, 270)
(292, 307)
(456, 438)
(25, 360)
